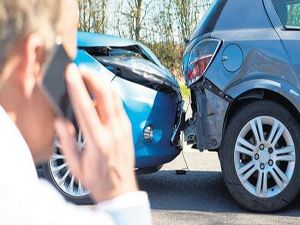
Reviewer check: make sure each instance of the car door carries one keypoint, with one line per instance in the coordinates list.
(285, 17)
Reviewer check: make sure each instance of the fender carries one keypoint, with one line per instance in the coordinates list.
(268, 82)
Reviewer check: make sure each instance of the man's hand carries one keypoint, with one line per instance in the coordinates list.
(106, 166)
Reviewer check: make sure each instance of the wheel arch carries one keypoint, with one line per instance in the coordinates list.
(259, 94)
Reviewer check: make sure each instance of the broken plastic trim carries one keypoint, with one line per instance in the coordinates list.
(108, 51)
(205, 129)
(179, 126)
(143, 72)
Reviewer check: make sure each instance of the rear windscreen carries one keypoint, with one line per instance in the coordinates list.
(210, 19)
(288, 12)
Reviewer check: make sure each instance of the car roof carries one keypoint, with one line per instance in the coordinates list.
(87, 39)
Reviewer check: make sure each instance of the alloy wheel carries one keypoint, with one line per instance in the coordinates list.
(61, 173)
(264, 156)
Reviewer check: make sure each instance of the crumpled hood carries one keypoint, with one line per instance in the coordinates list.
(142, 71)
(88, 40)
(146, 70)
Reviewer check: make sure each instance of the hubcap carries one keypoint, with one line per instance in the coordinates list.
(62, 174)
(264, 157)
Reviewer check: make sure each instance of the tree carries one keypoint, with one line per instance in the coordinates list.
(93, 15)
(188, 13)
(136, 15)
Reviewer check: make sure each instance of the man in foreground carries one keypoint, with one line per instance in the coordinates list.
(28, 29)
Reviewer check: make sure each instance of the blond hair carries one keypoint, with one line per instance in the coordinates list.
(19, 18)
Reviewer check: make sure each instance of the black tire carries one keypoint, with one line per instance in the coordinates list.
(86, 200)
(232, 131)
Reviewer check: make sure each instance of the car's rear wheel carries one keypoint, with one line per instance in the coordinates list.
(59, 174)
(260, 156)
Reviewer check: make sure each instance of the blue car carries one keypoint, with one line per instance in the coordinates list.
(243, 68)
(152, 100)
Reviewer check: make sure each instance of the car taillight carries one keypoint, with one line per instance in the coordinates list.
(200, 59)
(199, 66)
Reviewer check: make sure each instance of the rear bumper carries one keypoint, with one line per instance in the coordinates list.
(205, 128)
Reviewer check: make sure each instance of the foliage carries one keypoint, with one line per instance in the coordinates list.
(186, 93)
(93, 15)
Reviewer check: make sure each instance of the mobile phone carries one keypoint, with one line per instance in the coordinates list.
(54, 82)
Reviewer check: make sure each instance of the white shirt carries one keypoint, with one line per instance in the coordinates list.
(26, 200)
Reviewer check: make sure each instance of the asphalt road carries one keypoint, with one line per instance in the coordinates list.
(201, 197)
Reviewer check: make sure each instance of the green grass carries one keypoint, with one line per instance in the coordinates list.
(184, 90)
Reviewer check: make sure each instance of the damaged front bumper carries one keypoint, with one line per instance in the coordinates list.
(205, 129)
(146, 73)
(179, 126)
(150, 94)
(133, 68)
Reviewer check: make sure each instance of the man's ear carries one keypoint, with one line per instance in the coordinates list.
(32, 54)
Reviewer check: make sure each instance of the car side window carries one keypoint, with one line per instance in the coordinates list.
(294, 15)
(288, 12)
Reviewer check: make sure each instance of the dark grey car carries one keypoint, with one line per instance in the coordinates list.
(243, 68)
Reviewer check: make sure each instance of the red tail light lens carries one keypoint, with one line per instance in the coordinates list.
(201, 57)
(199, 66)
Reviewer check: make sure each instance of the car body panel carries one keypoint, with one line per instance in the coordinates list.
(240, 14)
(144, 106)
(254, 29)
(269, 83)
(205, 129)
(270, 62)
